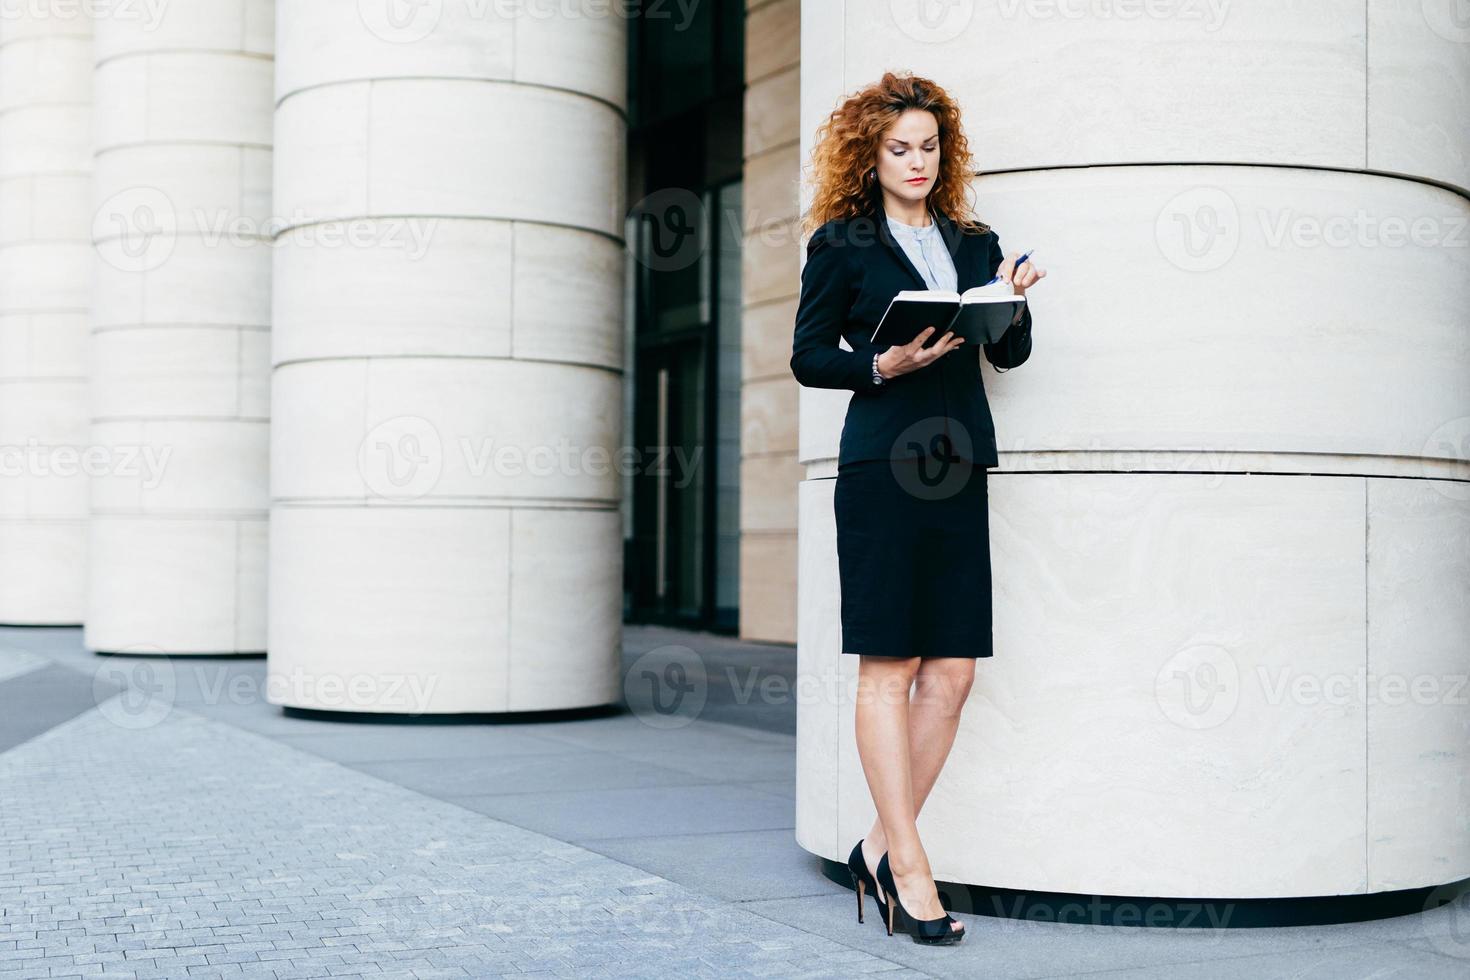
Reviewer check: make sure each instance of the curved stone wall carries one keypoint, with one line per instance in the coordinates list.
(1230, 530)
(45, 271)
(181, 329)
(447, 368)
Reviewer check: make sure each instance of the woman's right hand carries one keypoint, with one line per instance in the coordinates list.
(903, 358)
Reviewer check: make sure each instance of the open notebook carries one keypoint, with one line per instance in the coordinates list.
(980, 314)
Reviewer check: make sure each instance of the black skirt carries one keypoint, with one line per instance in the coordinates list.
(913, 557)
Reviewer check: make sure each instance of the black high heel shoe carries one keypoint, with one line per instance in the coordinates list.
(930, 932)
(862, 879)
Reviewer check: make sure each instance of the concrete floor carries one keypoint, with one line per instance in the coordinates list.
(626, 843)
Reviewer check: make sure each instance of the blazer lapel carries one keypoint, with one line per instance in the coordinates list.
(885, 235)
(953, 239)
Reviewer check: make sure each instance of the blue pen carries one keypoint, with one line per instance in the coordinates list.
(996, 278)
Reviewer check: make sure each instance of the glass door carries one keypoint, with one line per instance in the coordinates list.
(682, 563)
(671, 483)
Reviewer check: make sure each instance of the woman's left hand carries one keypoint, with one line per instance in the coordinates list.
(1028, 276)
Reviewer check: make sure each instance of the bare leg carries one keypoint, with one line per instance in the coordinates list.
(942, 685)
(902, 752)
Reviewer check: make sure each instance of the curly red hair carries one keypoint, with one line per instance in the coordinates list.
(848, 140)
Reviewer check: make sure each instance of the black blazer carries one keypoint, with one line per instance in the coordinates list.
(854, 267)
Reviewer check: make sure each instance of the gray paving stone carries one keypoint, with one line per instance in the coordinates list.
(579, 815)
(736, 866)
(15, 661)
(530, 773)
(188, 829)
(227, 828)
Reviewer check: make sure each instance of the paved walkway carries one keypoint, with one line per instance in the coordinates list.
(207, 834)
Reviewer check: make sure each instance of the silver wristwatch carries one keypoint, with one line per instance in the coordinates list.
(877, 378)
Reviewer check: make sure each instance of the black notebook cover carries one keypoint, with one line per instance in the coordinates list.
(980, 322)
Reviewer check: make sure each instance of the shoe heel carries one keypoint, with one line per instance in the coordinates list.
(928, 932)
(863, 881)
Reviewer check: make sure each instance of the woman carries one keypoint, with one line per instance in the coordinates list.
(910, 499)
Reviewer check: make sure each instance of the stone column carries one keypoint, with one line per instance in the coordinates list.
(1231, 520)
(447, 368)
(45, 271)
(180, 328)
(769, 469)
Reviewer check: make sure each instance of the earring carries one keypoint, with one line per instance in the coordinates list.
(872, 173)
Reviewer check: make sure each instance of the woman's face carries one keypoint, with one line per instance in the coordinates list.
(908, 155)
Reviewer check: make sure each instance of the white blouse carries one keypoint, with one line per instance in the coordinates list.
(926, 250)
